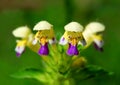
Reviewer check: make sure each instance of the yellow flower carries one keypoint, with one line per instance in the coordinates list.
(26, 36)
(93, 33)
(44, 35)
(72, 36)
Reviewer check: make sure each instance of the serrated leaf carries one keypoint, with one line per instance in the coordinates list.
(37, 74)
(90, 71)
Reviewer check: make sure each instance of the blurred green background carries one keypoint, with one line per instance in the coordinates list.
(15, 13)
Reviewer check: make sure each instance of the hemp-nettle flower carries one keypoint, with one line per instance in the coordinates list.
(44, 35)
(21, 32)
(26, 36)
(72, 36)
(92, 33)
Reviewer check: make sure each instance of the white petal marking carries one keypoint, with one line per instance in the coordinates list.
(99, 43)
(19, 49)
(63, 41)
(52, 41)
(34, 42)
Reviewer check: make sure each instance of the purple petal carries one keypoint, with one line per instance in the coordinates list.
(18, 54)
(69, 45)
(72, 50)
(43, 49)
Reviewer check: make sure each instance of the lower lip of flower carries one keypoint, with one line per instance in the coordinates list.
(18, 54)
(98, 48)
(43, 49)
(72, 50)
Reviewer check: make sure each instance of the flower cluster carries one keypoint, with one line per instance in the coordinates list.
(74, 36)
(62, 57)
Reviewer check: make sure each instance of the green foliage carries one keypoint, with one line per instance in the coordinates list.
(80, 74)
(59, 68)
(107, 12)
(90, 71)
(37, 74)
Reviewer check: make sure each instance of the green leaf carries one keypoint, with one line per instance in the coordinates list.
(90, 71)
(37, 74)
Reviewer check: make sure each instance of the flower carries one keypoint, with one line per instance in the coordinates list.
(72, 36)
(26, 36)
(93, 33)
(44, 35)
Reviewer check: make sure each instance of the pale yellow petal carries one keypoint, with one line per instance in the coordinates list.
(74, 26)
(94, 27)
(43, 25)
(21, 32)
